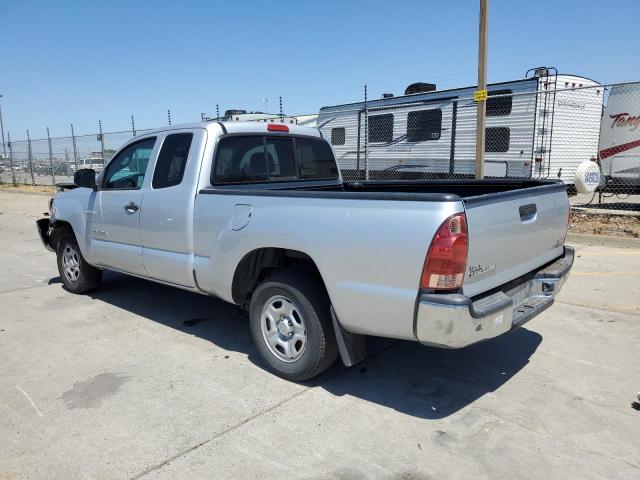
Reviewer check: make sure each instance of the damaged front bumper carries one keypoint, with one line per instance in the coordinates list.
(44, 230)
(456, 321)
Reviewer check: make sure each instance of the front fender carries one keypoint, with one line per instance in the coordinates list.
(77, 208)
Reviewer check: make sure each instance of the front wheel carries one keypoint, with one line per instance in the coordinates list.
(291, 325)
(76, 274)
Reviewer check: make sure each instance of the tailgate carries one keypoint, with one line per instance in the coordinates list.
(512, 233)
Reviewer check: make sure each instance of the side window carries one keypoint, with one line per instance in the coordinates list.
(172, 160)
(280, 160)
(499, 106)
(381, 128)
(497, 139)
(316, 160)
(424, 125)
(338, 136)
(240, 159)
(127, 170)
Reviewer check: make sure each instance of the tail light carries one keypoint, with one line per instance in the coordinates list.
(275, 127)
(447, 258)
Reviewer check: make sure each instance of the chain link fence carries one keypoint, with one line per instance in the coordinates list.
(51, 160)
(566, 128)
(544, 127)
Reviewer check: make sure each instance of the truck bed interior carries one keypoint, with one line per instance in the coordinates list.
(408, 190)
(461, 188)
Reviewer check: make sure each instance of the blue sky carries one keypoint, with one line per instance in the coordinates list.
(80, 62)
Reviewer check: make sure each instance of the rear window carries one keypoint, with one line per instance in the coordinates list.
(281, 162)
(316, 160)
(497, 139)
(256, 158)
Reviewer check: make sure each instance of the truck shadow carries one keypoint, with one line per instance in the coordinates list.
(413, 379)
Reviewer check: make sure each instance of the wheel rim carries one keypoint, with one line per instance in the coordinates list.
(70, 263)
(283, 328)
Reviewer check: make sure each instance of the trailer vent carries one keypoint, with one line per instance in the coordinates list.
(387, 95)
(420, 87)
(541, 72)
(229, 113)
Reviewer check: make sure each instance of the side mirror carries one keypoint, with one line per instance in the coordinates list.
(85, 177)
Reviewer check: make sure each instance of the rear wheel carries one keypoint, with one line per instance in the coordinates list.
(76, 274)
(291, 325)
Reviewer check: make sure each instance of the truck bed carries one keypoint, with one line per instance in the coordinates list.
(411, 190)
(370, 239)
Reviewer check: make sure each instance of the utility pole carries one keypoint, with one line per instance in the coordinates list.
(4, 148)
(480, 96)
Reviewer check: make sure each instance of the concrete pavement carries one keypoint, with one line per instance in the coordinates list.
(139, 380)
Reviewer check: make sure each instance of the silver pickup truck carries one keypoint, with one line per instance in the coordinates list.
(257, 214)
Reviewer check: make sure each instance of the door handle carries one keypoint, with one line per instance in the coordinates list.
(131, 208)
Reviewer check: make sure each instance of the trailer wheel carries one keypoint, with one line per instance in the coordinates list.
(76, 274)
(291, 325)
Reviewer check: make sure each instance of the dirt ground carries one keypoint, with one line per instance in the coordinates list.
(605, 224)
(8, 187)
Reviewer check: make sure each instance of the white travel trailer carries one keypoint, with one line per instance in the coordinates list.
(620, 139)
(542, 126)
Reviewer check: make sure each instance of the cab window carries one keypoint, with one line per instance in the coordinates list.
(128, 169)
(172, 160)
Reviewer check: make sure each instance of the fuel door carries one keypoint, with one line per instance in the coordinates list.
(240, 216)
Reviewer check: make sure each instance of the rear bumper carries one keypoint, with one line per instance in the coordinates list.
(456, 321)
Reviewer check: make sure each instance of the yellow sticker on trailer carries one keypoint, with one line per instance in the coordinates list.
(480, 95)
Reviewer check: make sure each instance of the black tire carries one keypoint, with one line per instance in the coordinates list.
(84, 277)
(307, 293)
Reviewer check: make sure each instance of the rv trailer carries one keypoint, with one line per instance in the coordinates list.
(620, 140)
(541, 126)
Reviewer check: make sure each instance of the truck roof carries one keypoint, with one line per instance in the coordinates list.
(239, 127)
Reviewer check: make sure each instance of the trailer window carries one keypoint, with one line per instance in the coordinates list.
(424, 125)
(497, 139)
(338, 136)
(381, 128)
(499, 106)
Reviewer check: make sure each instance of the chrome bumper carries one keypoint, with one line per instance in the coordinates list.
(456, 321)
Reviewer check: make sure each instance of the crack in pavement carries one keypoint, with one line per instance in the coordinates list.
(257, 415)
(597, 308)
